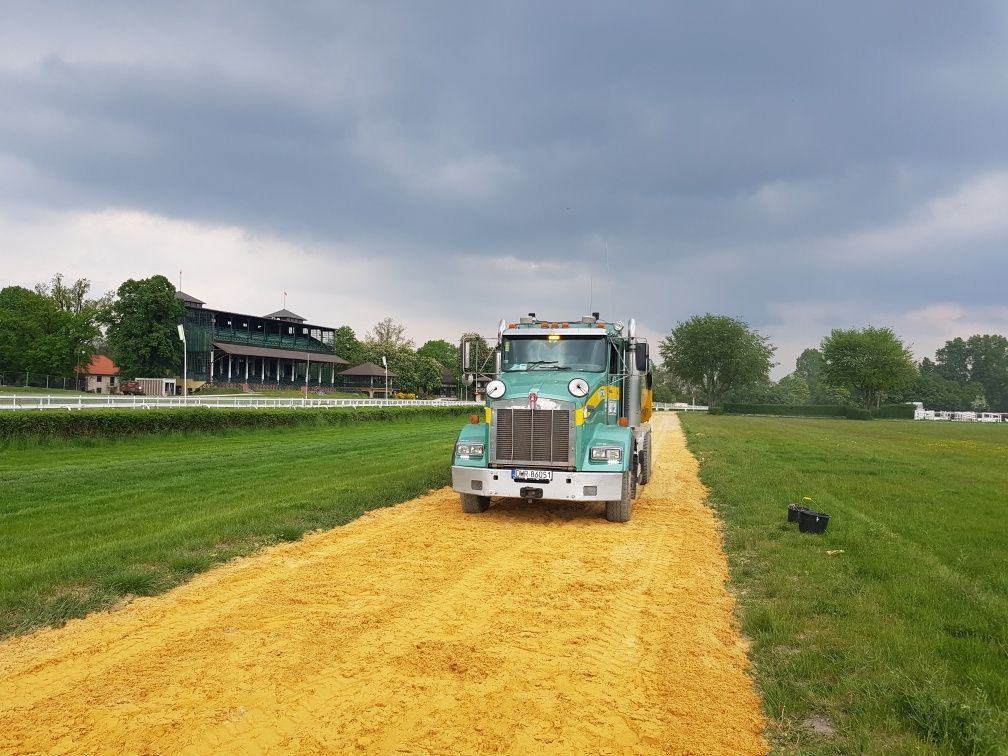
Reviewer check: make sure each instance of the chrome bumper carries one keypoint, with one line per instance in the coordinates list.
(569, 486)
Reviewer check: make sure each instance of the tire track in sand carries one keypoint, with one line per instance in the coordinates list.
(419, 629)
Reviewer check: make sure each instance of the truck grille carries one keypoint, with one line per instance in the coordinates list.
(525, 435)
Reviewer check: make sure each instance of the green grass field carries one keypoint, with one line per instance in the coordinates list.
(84, 524)
(898, 640)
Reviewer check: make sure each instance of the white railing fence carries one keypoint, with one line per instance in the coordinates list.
(228, 401)
(240, 401)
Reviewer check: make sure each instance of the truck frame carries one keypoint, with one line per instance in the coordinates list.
(566, 417)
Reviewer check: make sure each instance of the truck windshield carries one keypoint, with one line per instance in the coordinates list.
(584, 353)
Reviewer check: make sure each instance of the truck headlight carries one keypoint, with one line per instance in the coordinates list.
(469, 450)
(604, 453)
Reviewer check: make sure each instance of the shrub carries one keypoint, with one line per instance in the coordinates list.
(129, 423)
(798, 410)
(894, 411)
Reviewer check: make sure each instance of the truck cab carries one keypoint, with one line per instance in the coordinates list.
(566, 417)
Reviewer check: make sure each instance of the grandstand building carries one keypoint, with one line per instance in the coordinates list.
(279, 349)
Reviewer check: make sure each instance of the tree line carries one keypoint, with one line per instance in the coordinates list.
(57, 326)
(717, 359)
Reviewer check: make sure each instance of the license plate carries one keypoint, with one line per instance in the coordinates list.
(532, 476)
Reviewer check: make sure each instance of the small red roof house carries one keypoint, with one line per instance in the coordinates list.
(100, 375)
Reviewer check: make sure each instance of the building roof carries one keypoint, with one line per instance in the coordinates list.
(368, 369)
(282, 354)
(285, 314)
(188, 298)
(100, 365)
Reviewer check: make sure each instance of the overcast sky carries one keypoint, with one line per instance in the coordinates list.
(802, 166)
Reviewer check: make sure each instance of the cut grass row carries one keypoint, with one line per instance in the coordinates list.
(898, 639)
(83, 525)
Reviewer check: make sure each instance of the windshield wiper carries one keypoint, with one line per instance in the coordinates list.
(534, 363)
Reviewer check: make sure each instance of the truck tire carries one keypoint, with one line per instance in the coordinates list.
(473, 504)
(645, 470)
(619, 510)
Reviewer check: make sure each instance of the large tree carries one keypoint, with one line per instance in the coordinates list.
(346, 345)
(981, 359)
(389, 334)
(871, 361)
(143, 328)
(718, 354)
(445, 353)
(37, 336)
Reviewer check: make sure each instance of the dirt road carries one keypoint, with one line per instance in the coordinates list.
(418, 629)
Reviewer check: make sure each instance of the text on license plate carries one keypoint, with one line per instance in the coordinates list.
(536, 476)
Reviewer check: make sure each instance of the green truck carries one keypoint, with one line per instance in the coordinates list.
(566, 417)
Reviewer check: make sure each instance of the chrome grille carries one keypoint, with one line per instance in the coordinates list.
(526, 435)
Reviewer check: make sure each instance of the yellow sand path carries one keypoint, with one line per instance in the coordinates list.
(419, 629)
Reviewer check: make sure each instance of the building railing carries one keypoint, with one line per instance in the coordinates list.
(302, 343)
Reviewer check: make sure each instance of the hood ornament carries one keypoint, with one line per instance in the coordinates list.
(533, 399)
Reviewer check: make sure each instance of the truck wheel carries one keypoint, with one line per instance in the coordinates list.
(645, 471)
(619, 510)
(473, 504)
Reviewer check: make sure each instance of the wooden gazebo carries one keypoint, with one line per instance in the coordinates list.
(367, 377)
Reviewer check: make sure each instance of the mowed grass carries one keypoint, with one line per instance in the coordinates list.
(83, 525)
(897, 642)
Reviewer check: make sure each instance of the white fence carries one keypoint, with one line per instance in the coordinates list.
(240, 401)
(961, 417)
(680, 407)
(226, 401)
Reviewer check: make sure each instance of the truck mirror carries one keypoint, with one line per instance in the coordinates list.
(642, 357)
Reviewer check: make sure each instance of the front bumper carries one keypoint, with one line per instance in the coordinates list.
(566, 486)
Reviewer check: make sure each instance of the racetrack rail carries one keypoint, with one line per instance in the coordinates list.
(533, 627)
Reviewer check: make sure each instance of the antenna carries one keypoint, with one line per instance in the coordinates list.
(591, 290)
(180, 279)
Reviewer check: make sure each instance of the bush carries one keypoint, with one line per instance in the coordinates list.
(129, 423)
(798, 410)
(894, 411)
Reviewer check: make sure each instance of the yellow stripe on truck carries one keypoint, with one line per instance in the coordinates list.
(602, 393)
(489, 415)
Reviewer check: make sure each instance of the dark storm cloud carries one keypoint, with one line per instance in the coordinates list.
(738, 143)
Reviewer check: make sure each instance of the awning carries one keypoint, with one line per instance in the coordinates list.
(246, 350)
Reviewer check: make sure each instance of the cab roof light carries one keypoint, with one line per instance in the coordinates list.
(566, 325)
(544, 325)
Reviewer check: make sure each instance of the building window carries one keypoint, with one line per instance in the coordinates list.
(97, 379)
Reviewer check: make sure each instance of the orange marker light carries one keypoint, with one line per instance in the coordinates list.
(623, 422)
(566, 325)
(474, 419)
